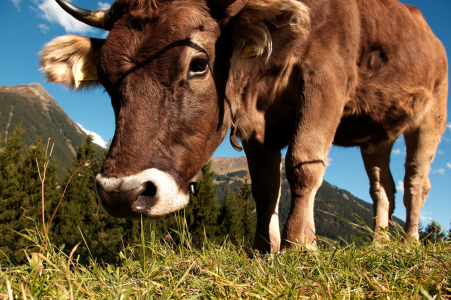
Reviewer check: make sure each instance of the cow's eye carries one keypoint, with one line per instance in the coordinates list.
(198, 66)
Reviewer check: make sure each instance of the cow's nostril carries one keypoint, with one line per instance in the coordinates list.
(150, 191)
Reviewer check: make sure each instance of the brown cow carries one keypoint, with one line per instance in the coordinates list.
(305, 74)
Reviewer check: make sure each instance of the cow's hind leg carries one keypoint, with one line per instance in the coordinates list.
(264, 167)
(382, 187)
(421, 144)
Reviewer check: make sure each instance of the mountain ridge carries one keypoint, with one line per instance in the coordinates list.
(40, 115)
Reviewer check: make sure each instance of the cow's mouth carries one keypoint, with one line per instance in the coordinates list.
(151, 193)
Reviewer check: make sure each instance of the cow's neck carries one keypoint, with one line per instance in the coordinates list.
(268, 96)
(262, 82)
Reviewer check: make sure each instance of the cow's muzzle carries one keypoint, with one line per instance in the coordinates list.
(151, 193)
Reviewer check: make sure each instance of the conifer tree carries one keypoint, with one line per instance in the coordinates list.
(21, 192)
(30, 213)
(420, 229)
(79, 205)
(231, 216)
(31, 182)
(433, 232)
(202, 212)
(249, 219)
(10, 194)
(10, 158)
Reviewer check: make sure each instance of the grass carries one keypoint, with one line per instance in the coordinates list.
(159, 269)
(162, 269)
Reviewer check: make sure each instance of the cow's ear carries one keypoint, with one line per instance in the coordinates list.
(72, 61)
(224, 10)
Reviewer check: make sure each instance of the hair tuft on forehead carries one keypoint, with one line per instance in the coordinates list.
(146, 7)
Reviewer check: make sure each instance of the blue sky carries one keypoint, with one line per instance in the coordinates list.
(26, 25)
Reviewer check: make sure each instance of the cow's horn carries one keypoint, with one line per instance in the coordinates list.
(95, 18)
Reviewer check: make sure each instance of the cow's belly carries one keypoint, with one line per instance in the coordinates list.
(364, 131)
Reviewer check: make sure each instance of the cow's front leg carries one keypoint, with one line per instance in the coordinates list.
(318, 115)
(264, 167)
(305, 177)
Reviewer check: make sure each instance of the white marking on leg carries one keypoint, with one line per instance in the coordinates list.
(274, 230)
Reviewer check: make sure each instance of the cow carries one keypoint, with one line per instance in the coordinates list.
(299, 73)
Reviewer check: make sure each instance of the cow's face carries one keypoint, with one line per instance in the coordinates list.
(171, 114)
(159, 75)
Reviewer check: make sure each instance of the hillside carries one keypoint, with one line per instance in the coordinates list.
(332, 204)
(224, 165)
(40, 115)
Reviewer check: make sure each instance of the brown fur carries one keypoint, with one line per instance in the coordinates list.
(352, 73)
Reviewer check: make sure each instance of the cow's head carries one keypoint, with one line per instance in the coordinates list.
(160, 66)
(157, 64)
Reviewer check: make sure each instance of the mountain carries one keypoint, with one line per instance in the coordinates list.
(334, 207)
(224, 165)
(40, 115)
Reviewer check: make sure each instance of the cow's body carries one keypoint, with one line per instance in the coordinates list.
(352, 73)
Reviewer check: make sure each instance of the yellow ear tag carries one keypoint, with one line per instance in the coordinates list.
(87, 73)
(251, 50)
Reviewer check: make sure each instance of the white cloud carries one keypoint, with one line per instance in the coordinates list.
(449, 126)
(16, 4)
(103, 6)
(400, 186)
(448, 165)
(396, 151)
(440, 171)
(44, 28)
(96, 138)
(440, 152)
(53, 13)
(329, 160)
(400, 139)
(425, 216)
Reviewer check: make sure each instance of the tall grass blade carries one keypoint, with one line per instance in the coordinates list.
(143, 246)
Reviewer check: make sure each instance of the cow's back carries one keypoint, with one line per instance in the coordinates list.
(400, 69)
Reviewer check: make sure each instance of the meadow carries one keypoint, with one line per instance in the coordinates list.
(159, 268)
